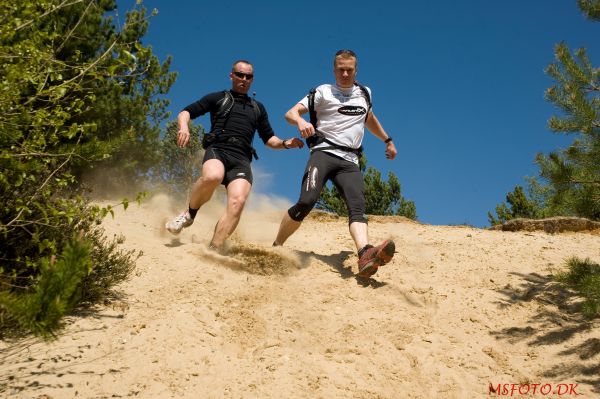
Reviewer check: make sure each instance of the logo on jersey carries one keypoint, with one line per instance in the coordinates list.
(352, 110)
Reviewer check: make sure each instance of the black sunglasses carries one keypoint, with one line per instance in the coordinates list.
(243, 75)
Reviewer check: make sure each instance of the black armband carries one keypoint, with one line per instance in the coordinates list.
(387, 140)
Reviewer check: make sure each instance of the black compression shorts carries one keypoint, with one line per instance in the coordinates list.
(347, 178)
(235, 168)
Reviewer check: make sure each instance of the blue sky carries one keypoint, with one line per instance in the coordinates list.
(459, 85)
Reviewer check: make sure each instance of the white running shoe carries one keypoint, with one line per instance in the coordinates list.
(176, 225)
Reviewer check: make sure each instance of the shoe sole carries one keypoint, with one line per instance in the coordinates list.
(174, 232)
(384, 256)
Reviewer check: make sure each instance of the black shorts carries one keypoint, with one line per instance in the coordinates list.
(235, 168)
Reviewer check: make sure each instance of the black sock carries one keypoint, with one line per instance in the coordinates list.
(363, 249)
(192, 212)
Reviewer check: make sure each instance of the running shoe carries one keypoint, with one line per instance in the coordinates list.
(176, 225)
(373, 257)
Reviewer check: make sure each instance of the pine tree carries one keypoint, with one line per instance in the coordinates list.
(574, 173)
(569, 179)
(126, 85)
(519, 207)
(179, 168)
(591, 8)
(381, 197)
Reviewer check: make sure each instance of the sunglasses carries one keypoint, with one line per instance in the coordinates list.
(242, 75)
(344, 52)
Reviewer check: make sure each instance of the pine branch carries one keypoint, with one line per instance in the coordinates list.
(39, 154)
(64, 4)
(68, 35)
(54, 172)
(591, 182)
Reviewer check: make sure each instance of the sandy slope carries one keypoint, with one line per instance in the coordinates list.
(457, 309)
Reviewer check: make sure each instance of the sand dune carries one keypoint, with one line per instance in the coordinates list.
(457, 309)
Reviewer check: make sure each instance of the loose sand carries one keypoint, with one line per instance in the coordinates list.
(458, 309)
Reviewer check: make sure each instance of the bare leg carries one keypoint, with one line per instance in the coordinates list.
(287, 227)
(360, 234)
(237, 193)
(213, 172)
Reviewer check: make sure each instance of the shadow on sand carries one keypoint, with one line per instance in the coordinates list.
(556, 323)
(25, 363)
(342, 265)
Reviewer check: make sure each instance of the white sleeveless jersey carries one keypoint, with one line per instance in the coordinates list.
(341, 115)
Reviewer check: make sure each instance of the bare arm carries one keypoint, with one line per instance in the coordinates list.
(377, 130)
(294, 117)
(183, 135)
(278, 144)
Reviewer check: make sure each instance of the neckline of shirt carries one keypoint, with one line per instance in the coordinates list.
(345, 90)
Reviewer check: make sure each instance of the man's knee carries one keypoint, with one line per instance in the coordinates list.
(299, 211)
(237, 195)
(212, 177)
(213, 172)
(357, 217)
(236, 202)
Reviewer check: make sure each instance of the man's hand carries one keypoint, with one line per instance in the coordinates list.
(294, 142)
(183, 138)
(305, 128)
(390, 150)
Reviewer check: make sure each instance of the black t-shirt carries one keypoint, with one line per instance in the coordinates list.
(235, 132)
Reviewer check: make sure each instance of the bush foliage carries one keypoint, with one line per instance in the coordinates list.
(583, 276)
(77, 91)
(178, 167)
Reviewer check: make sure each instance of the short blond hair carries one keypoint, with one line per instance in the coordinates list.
(345, 54)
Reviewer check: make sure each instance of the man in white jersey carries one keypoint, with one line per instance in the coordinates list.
(342, 112)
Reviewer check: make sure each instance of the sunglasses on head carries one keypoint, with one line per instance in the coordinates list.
(343, 52)
(242, 75)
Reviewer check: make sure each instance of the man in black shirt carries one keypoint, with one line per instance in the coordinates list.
(228, 149)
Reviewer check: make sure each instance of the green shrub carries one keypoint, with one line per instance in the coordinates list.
(66, 262)
(583, 277)
(76, 91)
